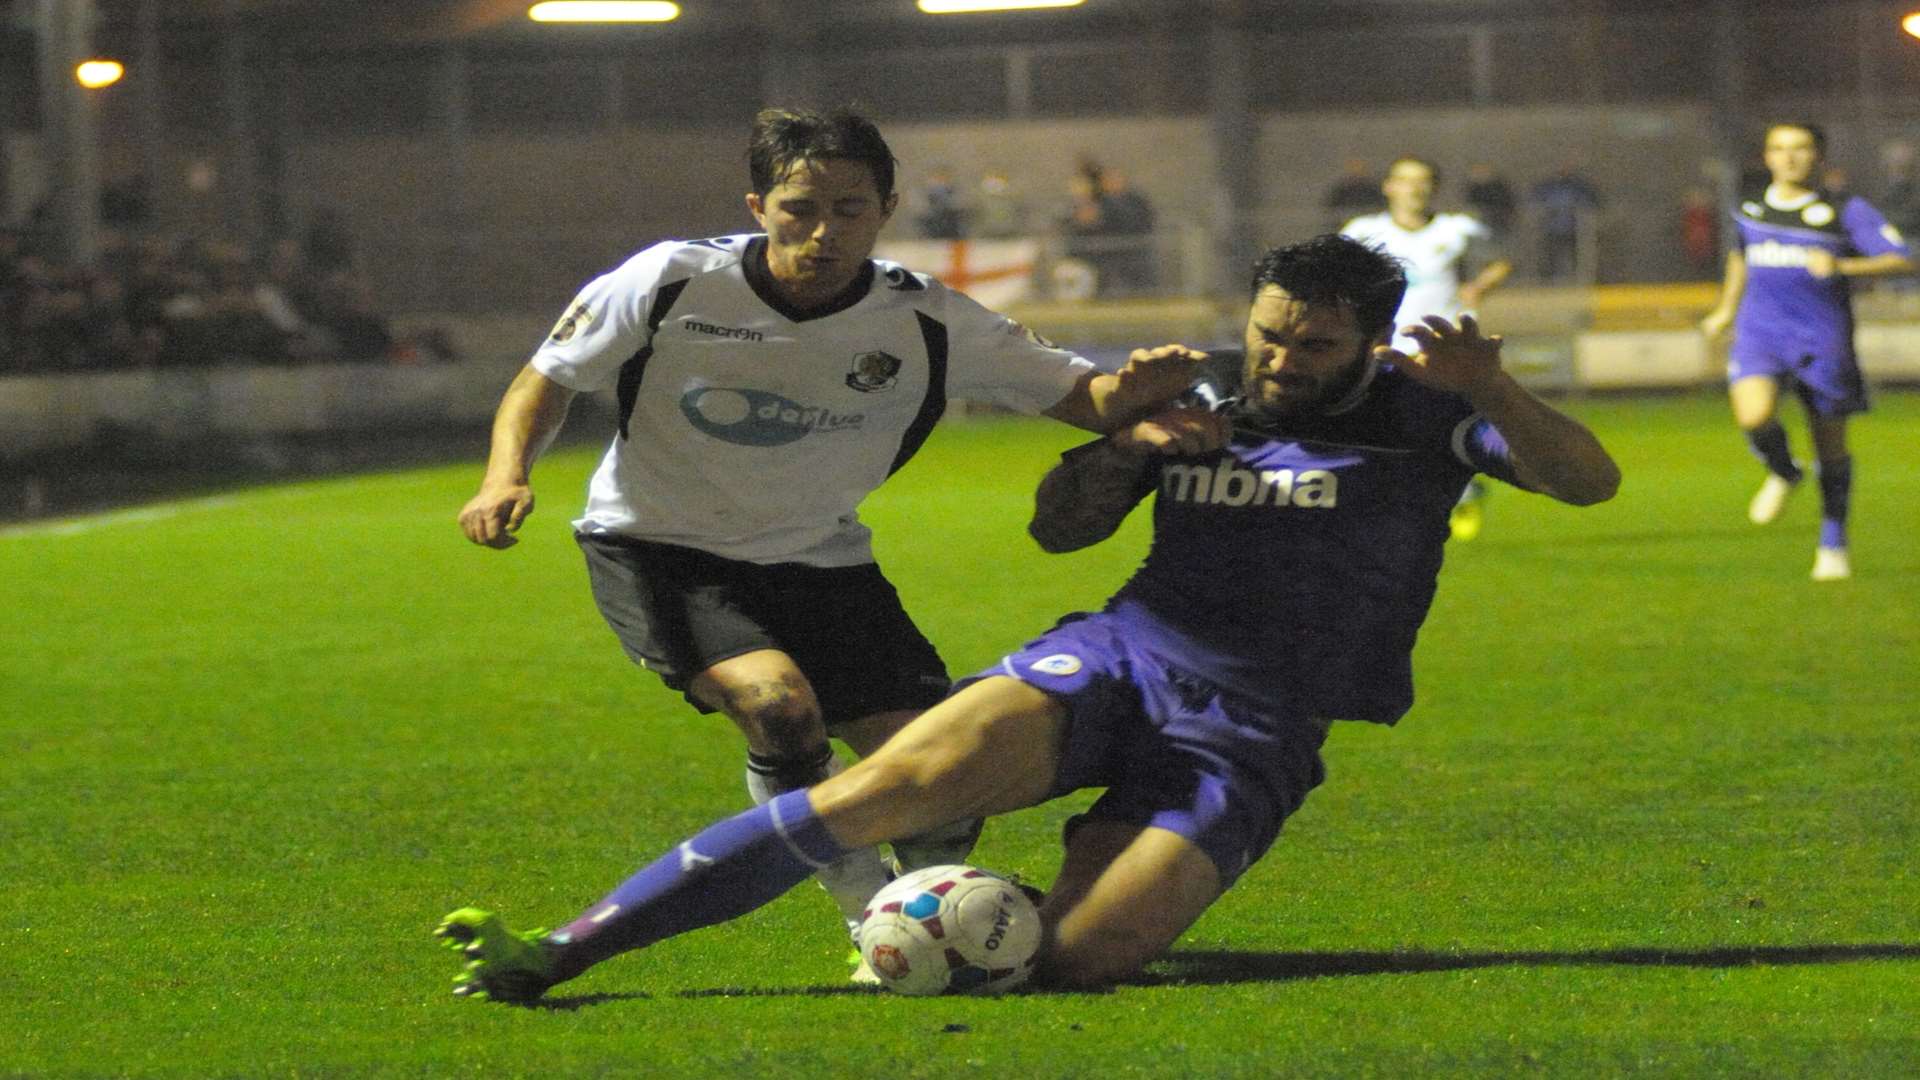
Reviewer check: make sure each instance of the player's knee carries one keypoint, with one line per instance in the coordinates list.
(1088, 960)
(780, 718)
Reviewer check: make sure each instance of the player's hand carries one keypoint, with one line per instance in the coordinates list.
(1175, 432)
(1715, 324)
(1821, 263)
(1458, 359)
(494, 515)
(1154, 377)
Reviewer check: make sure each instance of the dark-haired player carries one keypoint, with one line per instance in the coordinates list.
(1437, 249)
(1786, 295)
(1301, 508)
(766, 383)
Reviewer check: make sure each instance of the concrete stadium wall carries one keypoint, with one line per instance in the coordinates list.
(52, 412)
(541, 213)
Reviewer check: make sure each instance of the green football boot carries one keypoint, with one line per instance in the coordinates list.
(504, 966)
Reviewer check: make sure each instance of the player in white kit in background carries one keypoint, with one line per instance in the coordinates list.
(1437, 249)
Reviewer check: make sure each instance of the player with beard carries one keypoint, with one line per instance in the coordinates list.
(767, 383)
(1301, 510)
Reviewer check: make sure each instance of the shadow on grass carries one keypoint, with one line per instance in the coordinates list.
(582, 1001)
(1214, 967)
(1225, 966)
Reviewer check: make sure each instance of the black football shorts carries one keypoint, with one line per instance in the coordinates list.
(678, 611)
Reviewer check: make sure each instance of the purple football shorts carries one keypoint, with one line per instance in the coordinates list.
(1173, 751)
(1827, 381)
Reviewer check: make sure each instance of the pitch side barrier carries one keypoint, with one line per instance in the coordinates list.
(1614, 337)
(1571, 339)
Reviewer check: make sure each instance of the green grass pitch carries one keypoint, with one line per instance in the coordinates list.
(1655, 812)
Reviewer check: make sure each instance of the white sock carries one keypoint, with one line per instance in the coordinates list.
(853, 880)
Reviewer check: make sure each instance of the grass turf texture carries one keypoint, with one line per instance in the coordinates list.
(1654, 811)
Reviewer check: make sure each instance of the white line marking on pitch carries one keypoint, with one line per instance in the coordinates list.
(94, 522)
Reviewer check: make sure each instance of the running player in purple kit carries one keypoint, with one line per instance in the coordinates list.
(1303, 495)
(1787, 299)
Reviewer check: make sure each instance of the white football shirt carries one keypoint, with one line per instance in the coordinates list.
(1433, 255)
(753, 431)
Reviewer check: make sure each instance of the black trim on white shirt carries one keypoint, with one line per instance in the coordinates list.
(628, 388)
(760, 280)
(934, 333)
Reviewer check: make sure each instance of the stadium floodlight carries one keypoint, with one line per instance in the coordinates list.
(604, 11)
(1911, 24)
(95, 74)
(960, 7)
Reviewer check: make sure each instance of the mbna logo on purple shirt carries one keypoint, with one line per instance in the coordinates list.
(758, 418)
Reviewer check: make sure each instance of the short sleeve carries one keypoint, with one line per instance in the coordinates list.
(993, 358)
(1870, 231)
(1480, 446)
(605, 325)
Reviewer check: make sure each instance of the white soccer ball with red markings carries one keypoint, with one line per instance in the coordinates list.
(950, 929)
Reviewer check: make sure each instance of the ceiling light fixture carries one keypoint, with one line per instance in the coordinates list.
(94, 74)
(961, 7)
(604, 11)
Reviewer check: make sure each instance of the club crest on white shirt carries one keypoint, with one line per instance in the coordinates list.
(874, 371)
(577, 318)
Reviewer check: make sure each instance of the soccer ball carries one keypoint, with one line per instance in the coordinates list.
(950, 929)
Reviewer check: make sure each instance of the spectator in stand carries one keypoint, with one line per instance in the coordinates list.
(942, 217)
(1081, 227)
(1565, 204)
(328, 245)
(1491, 198)
(1126, 221)
(1900, 201)
(1700, 232)
(997, 213)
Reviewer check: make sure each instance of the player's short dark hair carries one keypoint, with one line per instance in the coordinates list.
(1818, 133)
(783, 138)
(1415, 159)
(1338, 271)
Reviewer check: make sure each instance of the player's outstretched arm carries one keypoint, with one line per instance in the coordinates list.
(1551, 451)
(1082, 500)
(530, 415)
(1490, 277)
(1824, 264)
(1151, 379)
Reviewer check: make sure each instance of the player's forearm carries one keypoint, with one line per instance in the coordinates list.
(531, 413)
(1883, 265)
(1732, 286)
(1110, 403)
(1551, 451)
(1082, 500)
(1490, 278)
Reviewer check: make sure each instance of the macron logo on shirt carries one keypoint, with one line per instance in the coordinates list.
(737, 333)
(1226, 485)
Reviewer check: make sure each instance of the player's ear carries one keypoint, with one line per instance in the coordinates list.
(757, 208)
(888, 205)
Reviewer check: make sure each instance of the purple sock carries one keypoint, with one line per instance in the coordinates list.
(727, 870)
(1836, 489)
(1769, 444)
